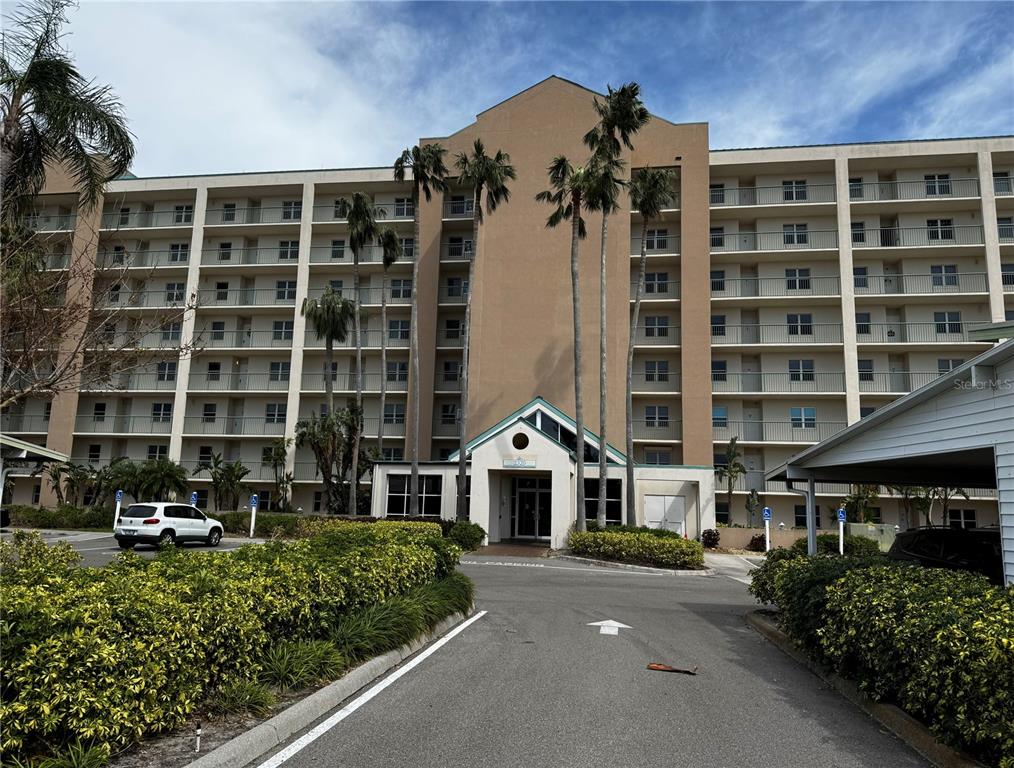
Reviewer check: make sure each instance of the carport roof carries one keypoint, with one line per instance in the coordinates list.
(21, 450)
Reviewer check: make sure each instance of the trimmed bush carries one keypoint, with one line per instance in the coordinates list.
(640, 548)
(762, 580)
(757, 543)
(267, 524)
(662, 533)
(710, 538)
(468, 536)
(827, 544)
(65, 517)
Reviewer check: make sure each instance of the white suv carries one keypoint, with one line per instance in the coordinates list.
(161, 522)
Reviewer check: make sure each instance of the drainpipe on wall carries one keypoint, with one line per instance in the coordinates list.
(811, 513)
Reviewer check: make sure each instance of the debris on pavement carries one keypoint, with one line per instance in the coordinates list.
(655, 667)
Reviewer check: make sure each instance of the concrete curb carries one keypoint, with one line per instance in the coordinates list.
(900, 723)
(636, 568)
(262, 738)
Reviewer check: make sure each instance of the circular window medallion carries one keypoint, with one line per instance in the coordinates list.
(520, 441)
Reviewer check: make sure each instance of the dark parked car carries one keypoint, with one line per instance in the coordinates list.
(962, 549)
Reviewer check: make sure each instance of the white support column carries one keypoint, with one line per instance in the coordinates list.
(299, 323)
(847, 288)
(991, 236)
(189, 322)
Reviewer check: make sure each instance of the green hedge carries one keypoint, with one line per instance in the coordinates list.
(661, 533)
(640, 548)
(468, 536)
(64, 517)
(827, 544)
(94, 654)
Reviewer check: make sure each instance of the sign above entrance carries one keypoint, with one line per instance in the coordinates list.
(519, 463)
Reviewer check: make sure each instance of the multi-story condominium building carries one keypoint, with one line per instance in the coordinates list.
(790, 291)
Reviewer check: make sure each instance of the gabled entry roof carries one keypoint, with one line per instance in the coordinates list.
(13, 449)
(526, 411)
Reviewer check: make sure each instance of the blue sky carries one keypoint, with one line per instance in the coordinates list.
(233, 86)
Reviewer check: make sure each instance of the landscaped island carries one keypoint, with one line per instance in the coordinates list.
(638, 546)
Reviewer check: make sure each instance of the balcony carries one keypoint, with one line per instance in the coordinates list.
(802, 333)
(657, 430)
(806, 382)
(918, 237)
(370, 296)
(242, 339)
(253, 215)
(257, 471)
(458, 209)
(446, 338)
(51, 222)
(794, 194)
(452, 294)
(452, 384)
(382, 212)
(143, 259)
(250, 297)
(127, 299)
(656, 291)
(895, 382)
(942, 189)
(775, 431)
(957, 282)
(239, 382)
(133, 382)
(1003, 186)
(148, 219)
(232, 425)
(672, 205)
(24, 423)
(774, 241)
(127, 425)
(370, 254)
(215, 256)
(655, 382)
(762, 287)
(909, 333)
(668, 245)
(657, 336)
(370, 338)
(442, 428)
(455, 251)
(346, 382)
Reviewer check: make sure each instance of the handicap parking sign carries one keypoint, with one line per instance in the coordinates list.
(193, 499)
(253, 500)
(767, 513)
(841, 515)
(119, 495)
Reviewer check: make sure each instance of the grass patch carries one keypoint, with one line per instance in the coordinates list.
(299, 663)
(242, 697)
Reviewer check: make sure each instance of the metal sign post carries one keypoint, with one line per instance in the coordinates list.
(841, 531)
(119, 503)
(766, 512)
(253, 514)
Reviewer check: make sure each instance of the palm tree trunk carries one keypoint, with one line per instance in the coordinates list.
(575, 287)
(462, 512)
(328, 381)
(353, 479)
(603, 466)
(383, 361)
(413, 498)
(634, 318)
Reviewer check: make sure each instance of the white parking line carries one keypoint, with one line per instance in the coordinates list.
(311, 736)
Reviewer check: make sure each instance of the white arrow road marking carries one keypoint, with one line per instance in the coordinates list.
(609, 627)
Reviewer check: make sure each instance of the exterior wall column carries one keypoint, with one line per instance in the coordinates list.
(299, 323)
(847, 288)
(189, 322)
(991, 236)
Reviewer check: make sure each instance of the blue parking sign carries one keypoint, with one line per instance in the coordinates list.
(766, 512)
(119, 496)
(253, 500)
(841, 515)
(193, 499)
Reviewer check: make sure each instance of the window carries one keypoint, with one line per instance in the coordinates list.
(407, 246)
(452, 370)
(717, 193)
(124, 217)
(399, 489)
(393, 454)
(452, 328)
(274, 413)
(156, 452)
(165, 371)
(717, 235)
(856, 188)
(281, 330)
(397, 370)
(719, 459)
(401, 288)
(47, 411)
(113, 297)
(656, 239)
(1002, 183)
(722, 512)
(337, 249)
(175, 292)
(444, 453)
(285, 290)
(179, 253)
(183, 214)
(340, 208)
(204, 454)
(225, 251)
(161, 413)
(717, 280)
(394, 413)
(1005, 227)
(656, 415)
(657, 456)
(718, 325)
(449, 414)
(288, 250)
(656, 326)
(279, 371)
(803, 417)
(36, 493)
(794, 190)
(946, 365)
(937, 184)
(397, 329)
(217, 331)
(614, 495)
(656, 370)
(719, 416)
(947, 322)
(108, 332)
(944, 274)
(456, 287)
(458, 247)
(858, 232)
(940, 229)
(874, 515)
(337, 286)
(120, 255)
(719, 370)
(800, 370)
(266, 453)
(1007, 274)
(222, 290)
(459, 205)
(99, 412)
(799, 515)
(863, 325)
(961, 518)
(866, 410)
(228, 212)
(318, 501)
(865, 370)
(861, 277)
(800, 324)
(656, 282)
(795, 234)
(94, 452)
(403, 207)
(292, 210)
(209, 413)
(797, 279)
(214, 372)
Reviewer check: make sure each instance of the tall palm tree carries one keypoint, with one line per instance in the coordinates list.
(480, 172)
(164, 480)
(53, 114)
(621, 115)
(429, 175)
(391, 251)
(651, 190)
(569, 185)
(731, 470)
(330, 316)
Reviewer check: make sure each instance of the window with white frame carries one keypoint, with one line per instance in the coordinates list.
(656, 239)
(717, 280)
(657, 456)
(281, 330)
(394, 413)
(961, 518)
(797, 279)
(947, 322)
(865, 369)
(285, 290)
(937, 184)
(656, 326)
(225, 251)
(861, 277)
(656, 370)
(209, 413)
(795, 234)
(172, 331)
(1007, 274)
(452, 370)
(399, 490)
(393, 453)
(401, 288)
(719, 370)
(1002, 183)
(179, 253)
(113, 294)
(228, 212)
(717, 236)
(719, 416)
(799, 324)
(457, 287)
(336, 286)
(292, 210)
(656, 416)
(856, 188)
(99, 412)
(222, 290)
(800, 370)
(1005, 228)
(214, 372)
(165, 370)
(794, 191)
(656, 282)
(288, 250)
(274, 413)
(94, 452)
(175, 292)
(124, 217)
(940, 229)
(279, 370)
(716, 193)
(397, 329)
(403, 207)
(718, 325)
(863, 325)
(858, 232)
(407, 246)
(948, 364)
(944, 275)
(162, 413)
(183, 214)
(459, 247)
(156, 452)
(397, 370)
(803, 417)
(448, 414)
(338, 249)
(205, 454)
(866, 410)
(452, 328)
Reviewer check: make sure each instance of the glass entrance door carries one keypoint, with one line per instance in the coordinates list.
(532, 507)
